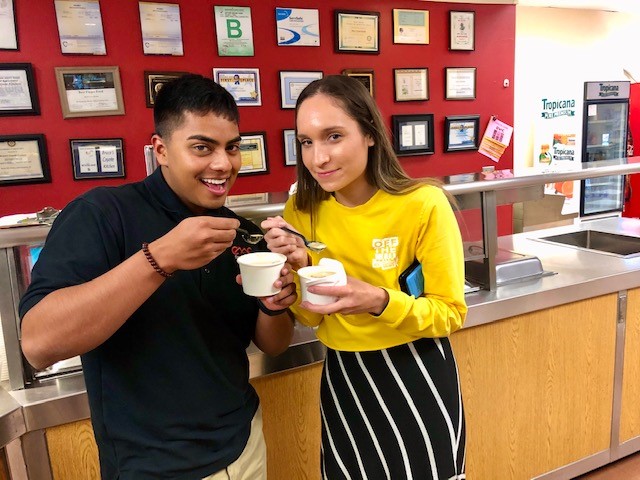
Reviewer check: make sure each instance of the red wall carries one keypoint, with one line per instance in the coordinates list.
(39, 45)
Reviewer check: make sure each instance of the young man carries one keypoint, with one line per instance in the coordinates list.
(141, 281)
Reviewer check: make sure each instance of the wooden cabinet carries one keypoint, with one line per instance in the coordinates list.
(630, 413)
(73, 452)
(538, 388)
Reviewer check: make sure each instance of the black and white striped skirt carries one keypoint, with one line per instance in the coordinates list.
(393, 414)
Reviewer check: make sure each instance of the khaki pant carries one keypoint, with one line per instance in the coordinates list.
(252, 462)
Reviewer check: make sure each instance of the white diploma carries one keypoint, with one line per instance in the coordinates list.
(88, 159)
(20, 160)
(407, 135)
(92, 100)
(161, 30)
(80, 27)
(108, 158)
(14, 90)
(420, 135)
(358, 32)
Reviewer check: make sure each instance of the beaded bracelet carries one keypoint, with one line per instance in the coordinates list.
(152, 261)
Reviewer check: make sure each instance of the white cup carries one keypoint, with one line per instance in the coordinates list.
(259, 272)
(328, 272)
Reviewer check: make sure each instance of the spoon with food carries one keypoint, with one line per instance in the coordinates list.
(253, 238)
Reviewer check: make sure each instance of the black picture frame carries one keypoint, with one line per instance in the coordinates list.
(12, 141)
(344, 40)
(364, 76)
(461, 132)
(153, 82)
(27, 69)
(95, 158)
(462, 30)
(460, 83)
(254, 154)
(413, 134)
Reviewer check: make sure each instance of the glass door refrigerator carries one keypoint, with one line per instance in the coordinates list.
(606, 115)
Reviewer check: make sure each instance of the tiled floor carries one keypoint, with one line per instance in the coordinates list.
(627, 468)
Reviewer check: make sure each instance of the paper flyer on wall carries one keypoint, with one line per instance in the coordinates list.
(496, 139)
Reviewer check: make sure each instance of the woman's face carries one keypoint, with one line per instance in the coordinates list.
(334, 149)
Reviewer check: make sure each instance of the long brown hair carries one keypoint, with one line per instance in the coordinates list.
(383, 168)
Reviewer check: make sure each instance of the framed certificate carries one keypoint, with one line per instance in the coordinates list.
(234, 32)
(461, 133)
(161, 28)
(292, 84)
(99, 158)
(153, 82)
(253, 151)
(411, 84)
(80, 27)
(410, 26)
(364, 76)
(89, 91)
(18, 94)
(462, 30)
(413, 134)
(242, 83)
(23, 159)
(460, 83)
(290, 152)
(357, 32)
(297, 27)
(8, 31)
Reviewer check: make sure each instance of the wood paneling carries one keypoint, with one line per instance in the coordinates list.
(291, 416)
(73, 452)
(630, 414)
(538, 388)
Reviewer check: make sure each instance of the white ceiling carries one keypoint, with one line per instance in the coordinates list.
(608, 5)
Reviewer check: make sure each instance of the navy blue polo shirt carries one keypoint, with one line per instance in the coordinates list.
(169, 392)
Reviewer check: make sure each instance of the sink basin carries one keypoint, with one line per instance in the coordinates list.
(609, 243)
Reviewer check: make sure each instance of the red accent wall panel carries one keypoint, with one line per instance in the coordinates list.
(39, 45)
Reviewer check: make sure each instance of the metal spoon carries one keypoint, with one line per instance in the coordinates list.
(250, 238)
(313, 245)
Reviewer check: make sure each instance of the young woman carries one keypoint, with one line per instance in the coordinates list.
(390, 396)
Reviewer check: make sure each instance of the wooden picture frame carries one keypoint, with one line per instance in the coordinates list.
(462, 30)
(292, 83)
(411, 84)
(89, 91)
(97, 158)
(253, 151)
(364, 76)
(460, 83)
(357, 31)
(19, 95)
(413, 134)
(153, 82)
(23, 159)
(461, 132)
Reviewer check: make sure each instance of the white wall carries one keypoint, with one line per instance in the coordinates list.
(557, 50)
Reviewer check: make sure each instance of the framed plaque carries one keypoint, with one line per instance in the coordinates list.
(460, 83)
(18, 94)
(413, 134)
(357, 32)
(153, 82)
(89, 91)
(411, 26)
(80, 27)
(297, 27)
(462, 30)
(242, 83)
(99, 158)
(290, 152)
(23, 159)
(411, 84)
(461, 133)
(364, 76)
(234, 31)
(292, 84)
(253, 151)
(8, 30)
(161, 28)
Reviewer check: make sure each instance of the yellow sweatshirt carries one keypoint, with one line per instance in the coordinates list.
(376, 242)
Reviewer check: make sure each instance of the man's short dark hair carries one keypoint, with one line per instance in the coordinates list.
(191, 93)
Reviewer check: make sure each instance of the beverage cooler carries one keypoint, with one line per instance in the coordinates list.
(19, 250)
(606, 115)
